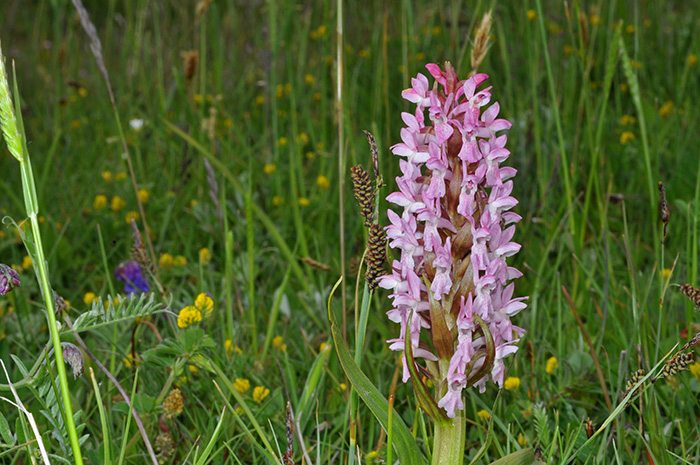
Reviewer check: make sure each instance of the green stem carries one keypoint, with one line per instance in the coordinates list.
(448, 441)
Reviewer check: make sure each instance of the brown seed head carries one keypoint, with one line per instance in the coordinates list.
(482, 43)
(138, 252)
(631, 382)
(692, 293)
(376, 255)
(190, 60)
(365, 193)
(679, 362)
(172, 404)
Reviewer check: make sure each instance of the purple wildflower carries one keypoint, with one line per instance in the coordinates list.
(9, 279)
(454, 237)
(129, 272)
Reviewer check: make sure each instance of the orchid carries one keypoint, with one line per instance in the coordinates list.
(454, 230)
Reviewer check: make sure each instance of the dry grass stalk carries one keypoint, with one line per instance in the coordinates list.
(663, 208)
(214, 191)
(190, 60)
(482, 43)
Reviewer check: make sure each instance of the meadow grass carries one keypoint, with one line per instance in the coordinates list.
(602, 97)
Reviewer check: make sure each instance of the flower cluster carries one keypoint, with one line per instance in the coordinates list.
(191, 314)
(9, 279)
(454, 234)
(129, 272)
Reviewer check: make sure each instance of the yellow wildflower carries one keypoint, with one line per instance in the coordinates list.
(568, 50)
(193, 203)
(230, 348)
(322, 347)
(188, 316)
(304, 202)
(120, 176)
(512, 382)
(363, 53)
(627, 119)
(437, 30)
(270, 168)
(204, 304)
(82, 92)
(89, 298)
(595, 20)
(342, 387)
(522, 440)
(483, 414)
(692, 59)
(303, 138)
(75, 124)
(204, 256)
(309, 79)
(198, 99)
(282, 141)
(552, 364)
(531, 14)
(371, 457)
(144, 195)
(277, 200)
(228, 123)
(260, 100)
(194, 369)
(310, 155)
(130, 216)
(117, 203)
(100, 202)
(323, 182)
(278, 343)
(180, 261)
(166, 260)
(626, 137)
(666, 109)
(624, 87)
(666, 273)
(259, 393)
(27, 262)
(695, 370)
(107, 176)
(241, 385)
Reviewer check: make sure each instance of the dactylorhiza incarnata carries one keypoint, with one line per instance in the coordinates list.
(455, 233)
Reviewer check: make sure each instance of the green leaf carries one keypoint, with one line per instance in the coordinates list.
(521, 457)
(5, 431)
(406, 447)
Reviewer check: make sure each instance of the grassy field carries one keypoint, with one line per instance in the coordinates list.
(239, 151)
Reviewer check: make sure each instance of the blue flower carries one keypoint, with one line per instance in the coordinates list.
(129, 273)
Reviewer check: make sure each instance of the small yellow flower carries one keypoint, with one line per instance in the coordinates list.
(282, 141)
(304, 202)
(270, 168)
(193, 203)
(371, 457)
(522, 440)
(666, 273)
(89, 298)
(646, 22)
(260, 100)
(82, 92)
(120, 176)
(483, 414)
(100, 202)
(624, 87)
(437, 30)
(287, 88)
(342, 387)
(259, 393)
(695, 370)
(204, 304)
(228, 123)
(130, 216)
(303, 138)
(666, 109)
(309, 79)
(512, 382)
(180, 261)
(198, 99)
(531, 14)
(204, 256)
(316, 96)
(241, 385)
(626, 137)
(188, 316)
(231, 348)
(117, 203)
(277, 200)
(144, 195)
(310, 155)
(166, 260)
(194, 369)
(107, 176)
(692, 59)
(363, 53)
(627, 119)
(322, 347)
(630, 29)
(568, 50)
(321, 31)
(278, 343)
(75, 124)
(323, 182)
(27, 262)
(552, 365)
(595, 20)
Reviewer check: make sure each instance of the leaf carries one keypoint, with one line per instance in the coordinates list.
(406, 447)
(5, 431)
(521, 457)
